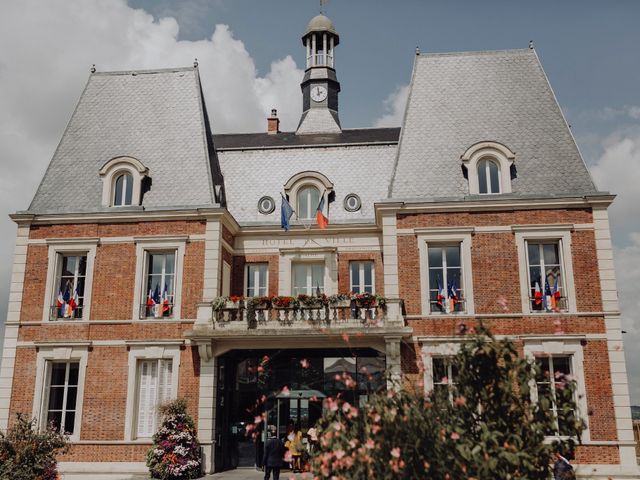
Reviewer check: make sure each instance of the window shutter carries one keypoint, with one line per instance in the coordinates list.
(147, 396)
(165, 377)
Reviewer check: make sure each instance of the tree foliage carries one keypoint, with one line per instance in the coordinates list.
(27, 454)
(175, 453)
(485, 425)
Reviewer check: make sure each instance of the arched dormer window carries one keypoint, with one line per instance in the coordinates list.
(488, 167)
(488, 176)
(305, 190)
(122, 190)
(307, 202)
(122, 182)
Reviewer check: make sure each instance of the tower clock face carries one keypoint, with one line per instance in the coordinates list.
(318, 93)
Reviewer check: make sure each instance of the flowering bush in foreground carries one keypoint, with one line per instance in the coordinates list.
(176, 451)
(481, 425)
(26, 454)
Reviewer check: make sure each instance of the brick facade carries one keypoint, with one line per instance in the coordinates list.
(497, 299)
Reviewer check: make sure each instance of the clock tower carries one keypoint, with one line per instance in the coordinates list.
(320, 86)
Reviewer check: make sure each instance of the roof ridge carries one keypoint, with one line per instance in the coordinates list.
(292, 132)
(145, 71)
(512, 51)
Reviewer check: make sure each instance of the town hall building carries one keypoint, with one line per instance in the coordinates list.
(248, 273)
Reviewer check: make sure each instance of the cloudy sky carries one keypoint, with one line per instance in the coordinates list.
(251, 56)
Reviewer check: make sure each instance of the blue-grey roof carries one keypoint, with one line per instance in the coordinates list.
(459, 99)
(360, 168)
(156, 117)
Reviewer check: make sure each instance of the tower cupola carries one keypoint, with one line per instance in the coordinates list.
(320, 86)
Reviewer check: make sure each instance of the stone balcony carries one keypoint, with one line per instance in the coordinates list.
(216, 319)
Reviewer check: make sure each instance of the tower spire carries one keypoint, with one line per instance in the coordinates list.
(320, 86)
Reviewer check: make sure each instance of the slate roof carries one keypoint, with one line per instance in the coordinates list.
(290, 139)
(154, 116)
(459, 99)
(250, 174)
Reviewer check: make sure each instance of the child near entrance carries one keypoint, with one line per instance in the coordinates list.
(295, 447)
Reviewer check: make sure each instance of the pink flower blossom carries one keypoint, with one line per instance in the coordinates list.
(455, 436)
(395, 452)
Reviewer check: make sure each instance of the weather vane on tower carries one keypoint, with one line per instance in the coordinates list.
(322, 4)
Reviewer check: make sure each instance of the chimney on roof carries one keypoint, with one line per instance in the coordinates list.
(273, 123)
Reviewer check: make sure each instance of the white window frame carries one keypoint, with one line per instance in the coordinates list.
(308, 179)
(158, 244)
(446, 236)
(59, 352)
(56, 248)
(326, 255)
(311, 289)
(438, 350)
(499, 153)
(127, 178)
(112, 170)
(551, 233)
(566, 347)
(310, 214)
(487, 173)
(256, 278)
(361, 267)
(147, 351)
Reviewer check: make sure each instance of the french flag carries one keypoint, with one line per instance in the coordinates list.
(321, 220)
(66, 297)
(60, 303)
(440, 296)
(537, 295)
(165, 300)
(453, 296)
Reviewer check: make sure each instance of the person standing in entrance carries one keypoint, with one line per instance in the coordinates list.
(273, 452)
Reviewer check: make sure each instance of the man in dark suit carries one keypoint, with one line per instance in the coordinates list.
(273, 452)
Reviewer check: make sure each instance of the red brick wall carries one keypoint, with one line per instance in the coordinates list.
(494, 259)
(238, 272)
(114, 277)
(344, 278)
(35, 278)
(476, 219)
(24, 383)
(192, 279)
(496, 278)
(602, 419)
(105, 394)
(169, 227)
(586, 275)
(114, 268)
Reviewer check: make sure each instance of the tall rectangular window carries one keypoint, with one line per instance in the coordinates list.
(444, 374)
(546, 286)
(68, 296)
(361, 277)
(154, 385)
(160, 284)
(446, 288)
(550, 385)
(308, 278)
(61, 395)
(257, 279)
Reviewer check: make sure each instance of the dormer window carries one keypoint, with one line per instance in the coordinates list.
(307, 202)
(122, 182)
(304, 191)
(488, 176)
(123, 190)
(488, 166)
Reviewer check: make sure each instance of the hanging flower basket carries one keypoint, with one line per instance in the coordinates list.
(284, 302)
(339, 300)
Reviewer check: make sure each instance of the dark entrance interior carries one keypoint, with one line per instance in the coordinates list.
(251, 383)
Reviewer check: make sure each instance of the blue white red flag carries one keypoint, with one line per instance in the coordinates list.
(321, 220)
(285, 213)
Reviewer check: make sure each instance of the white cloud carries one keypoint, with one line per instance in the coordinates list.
(618, 170)
(47, 50)
(394, 106)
